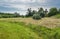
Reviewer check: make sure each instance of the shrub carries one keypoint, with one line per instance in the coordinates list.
(36, 16)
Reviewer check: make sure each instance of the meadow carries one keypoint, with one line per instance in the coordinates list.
(50, 22)
(27, 28)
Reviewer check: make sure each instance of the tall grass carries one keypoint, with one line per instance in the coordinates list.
(14, 30)
(57, 16)
(19, 30)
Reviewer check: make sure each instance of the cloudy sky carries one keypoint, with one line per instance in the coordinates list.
(22, 5)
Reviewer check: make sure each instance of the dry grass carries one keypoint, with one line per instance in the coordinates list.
(48, 22)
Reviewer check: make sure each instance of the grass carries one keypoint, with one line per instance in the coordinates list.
(47, 22)
(27, 28)
(19, 30)
(13, 30)
(57, 16)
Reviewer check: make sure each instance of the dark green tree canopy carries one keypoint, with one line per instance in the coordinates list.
(59, 11)
(41, 10)
(29, 12)
(53, 11)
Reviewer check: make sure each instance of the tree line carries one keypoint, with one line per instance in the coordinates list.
(9, 15)
(41, 13)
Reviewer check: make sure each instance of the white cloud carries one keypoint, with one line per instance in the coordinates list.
(22, 5)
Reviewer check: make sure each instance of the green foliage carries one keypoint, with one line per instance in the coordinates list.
(33, 12)
(52, 12)
(29, 13)
(15, 30)
(36, 16)
(8, 15)
(59, 11)
(42, 15)
(18, 30)
(41, 12)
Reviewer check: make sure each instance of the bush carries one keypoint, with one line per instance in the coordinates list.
(36, 16)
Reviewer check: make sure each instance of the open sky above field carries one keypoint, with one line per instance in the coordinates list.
(22, 5)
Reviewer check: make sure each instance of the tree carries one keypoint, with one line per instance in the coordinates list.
(42, 15)
(53, 11)
(46, 12)
(41, 12)
(29, 13)
(59, 11)
(33, 12)
(17, 14)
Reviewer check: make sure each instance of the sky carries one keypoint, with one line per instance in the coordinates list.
(21, 6)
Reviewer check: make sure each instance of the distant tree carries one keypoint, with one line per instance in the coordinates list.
(22, 16)
(29, 13)
(33, 12)
(42, 15)
(59, 11)
(46, 12)
(41, 12)
(17, 14)
(52, 11)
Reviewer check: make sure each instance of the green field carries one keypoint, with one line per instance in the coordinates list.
(57, 16)
(17, 28)
(13, 30)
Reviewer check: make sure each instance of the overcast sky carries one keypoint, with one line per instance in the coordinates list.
(22, 5)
